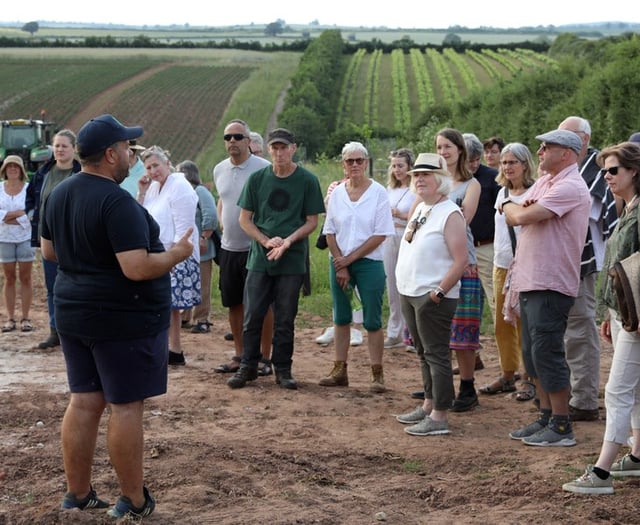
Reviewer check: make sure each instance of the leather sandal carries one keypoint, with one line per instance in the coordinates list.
(265, 368)
(499, 386)
(9, 326)
(527, 392)
(226, 368)
(26, 326)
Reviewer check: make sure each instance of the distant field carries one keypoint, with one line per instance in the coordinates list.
(353, 34)
(181, 96)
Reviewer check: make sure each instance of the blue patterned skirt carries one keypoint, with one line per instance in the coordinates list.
(185, 284)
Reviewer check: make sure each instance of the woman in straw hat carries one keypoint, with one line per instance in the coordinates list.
(621, 168)
(15, 241)
(429, 292)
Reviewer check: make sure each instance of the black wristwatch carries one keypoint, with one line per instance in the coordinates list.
(439, 294)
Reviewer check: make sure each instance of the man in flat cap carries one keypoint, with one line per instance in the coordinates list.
(112, 305)
(279, 210)
(546, 274)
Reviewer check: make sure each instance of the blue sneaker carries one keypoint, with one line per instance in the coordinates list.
(90, 501)
(124, 507)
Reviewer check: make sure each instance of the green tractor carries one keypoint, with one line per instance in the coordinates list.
(29, 139)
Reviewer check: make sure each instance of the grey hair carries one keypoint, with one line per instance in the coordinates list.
(583, 124)
(191, 172)
(247, 131)
(254, 136)
(354, 147)
(473, 145)
(522, 153)
(444, 183)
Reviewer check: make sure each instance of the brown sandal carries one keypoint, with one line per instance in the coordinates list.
(500, 385)
(9, 326)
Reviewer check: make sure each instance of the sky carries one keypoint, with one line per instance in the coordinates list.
(354, 13)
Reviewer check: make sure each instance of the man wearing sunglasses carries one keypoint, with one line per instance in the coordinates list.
(229, 177)
(546, 274)
(582, 339)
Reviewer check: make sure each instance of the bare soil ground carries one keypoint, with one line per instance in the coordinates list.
(313, 456)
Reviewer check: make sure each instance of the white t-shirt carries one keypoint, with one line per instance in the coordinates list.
(229, 180)
(354, 222)
(502, 250)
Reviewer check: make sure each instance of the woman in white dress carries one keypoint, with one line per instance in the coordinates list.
(172, 202)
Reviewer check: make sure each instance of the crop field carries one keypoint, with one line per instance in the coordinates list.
(390, 90)
(179, 96)
(183, 97)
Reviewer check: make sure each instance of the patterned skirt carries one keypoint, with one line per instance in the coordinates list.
(185, 284)
(465, 326)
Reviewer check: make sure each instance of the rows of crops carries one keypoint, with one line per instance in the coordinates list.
(393, 87)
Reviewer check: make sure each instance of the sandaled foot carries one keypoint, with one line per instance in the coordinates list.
(9, 326)
(502, 384)
(26, 326)
(265, 368)
(229, 368)
(527, 391)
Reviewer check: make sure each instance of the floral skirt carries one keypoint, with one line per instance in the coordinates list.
(185, 284)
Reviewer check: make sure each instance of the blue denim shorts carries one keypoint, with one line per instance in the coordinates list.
(17, 252)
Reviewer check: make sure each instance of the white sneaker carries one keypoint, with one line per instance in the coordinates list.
(326, 338)
(356, 337)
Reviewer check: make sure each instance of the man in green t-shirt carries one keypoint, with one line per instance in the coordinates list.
(279, 205)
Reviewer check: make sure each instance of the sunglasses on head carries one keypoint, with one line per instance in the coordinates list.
(234, 136)
(613, 170)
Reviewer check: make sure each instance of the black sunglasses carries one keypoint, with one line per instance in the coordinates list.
(235, 136)
(613, 170)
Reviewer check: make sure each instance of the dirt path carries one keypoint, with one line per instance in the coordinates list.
(313, 456)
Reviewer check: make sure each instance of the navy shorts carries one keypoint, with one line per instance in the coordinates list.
(233, 274)
(125, 371)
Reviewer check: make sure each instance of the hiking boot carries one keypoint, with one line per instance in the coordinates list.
(242, 376)
(589, 483)
(124, 507)
(285, 379)
(393, 342)
(527, 431)
(465, 402)
(377, 380)
(548, 437)
(90, 501)
(625, 467)
(428, 427)
(415, 416)
(52, 341)
(176, 358)
(578, 414)
(337, 377)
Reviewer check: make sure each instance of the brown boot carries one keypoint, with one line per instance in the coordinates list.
(377, 380)
(337, 376)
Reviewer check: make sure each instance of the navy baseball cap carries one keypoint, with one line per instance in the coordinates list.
(100, 132)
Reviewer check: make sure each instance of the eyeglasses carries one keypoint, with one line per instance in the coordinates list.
(234, 136)
(414, 226)
(510, 162)
(613, 170)
(359, 161)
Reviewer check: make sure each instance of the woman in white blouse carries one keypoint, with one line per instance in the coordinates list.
(358, 221)
(15, 242)
(172, 202)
